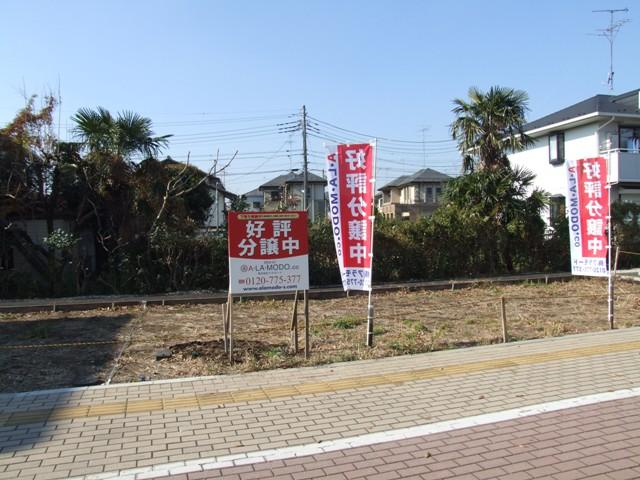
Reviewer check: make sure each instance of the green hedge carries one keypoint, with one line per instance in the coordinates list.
(443, 246)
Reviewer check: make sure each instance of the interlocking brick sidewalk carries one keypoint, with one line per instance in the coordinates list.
(142, 430)
(600, 441)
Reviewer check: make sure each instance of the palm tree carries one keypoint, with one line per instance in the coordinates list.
(504, 202)
(489, 126)
(120, 136)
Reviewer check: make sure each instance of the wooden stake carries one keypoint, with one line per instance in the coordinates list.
(306, 324)
(503, 316)
(224, 325)
(612, 280)
(370, 321)
(294, 324)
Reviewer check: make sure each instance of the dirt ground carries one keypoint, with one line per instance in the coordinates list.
(51, 350)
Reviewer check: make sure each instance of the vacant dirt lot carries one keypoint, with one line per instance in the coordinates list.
(50, 350)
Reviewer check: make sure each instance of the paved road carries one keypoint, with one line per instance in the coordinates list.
(418, 415)
(600, 441)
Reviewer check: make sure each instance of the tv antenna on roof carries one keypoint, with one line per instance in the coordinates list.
(610, 34)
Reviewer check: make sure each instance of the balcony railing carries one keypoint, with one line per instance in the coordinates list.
(624, 165)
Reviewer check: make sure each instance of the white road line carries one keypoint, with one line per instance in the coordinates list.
(203, 464)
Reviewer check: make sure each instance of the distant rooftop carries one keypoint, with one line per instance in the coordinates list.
(253, 193)
(292, 177)
(212, 181)
(626, 103)
(421, 176)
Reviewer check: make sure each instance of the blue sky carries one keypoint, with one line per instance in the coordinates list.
(224, 74)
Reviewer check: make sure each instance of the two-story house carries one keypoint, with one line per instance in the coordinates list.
(217, 214)
(603, 125)
(255, 200)
(220, 196)
(412, 196)
(286, 191)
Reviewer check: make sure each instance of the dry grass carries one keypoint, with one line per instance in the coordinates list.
(406, 322)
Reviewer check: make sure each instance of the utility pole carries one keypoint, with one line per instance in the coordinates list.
(424, 146)
(610, 34)
(304, 154)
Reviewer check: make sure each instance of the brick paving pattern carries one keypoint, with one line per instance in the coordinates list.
(168, 429)
(599, 441)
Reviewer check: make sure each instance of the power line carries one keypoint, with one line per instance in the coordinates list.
(378, 137)
(226, 139)
(236, 130)
(383, 148)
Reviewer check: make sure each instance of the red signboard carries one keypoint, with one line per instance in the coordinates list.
(268, 251)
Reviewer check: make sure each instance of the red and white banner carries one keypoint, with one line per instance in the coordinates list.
(268, 252)
(588, 208)
(351, 188)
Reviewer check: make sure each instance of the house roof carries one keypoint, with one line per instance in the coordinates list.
(212, 181)
(292, 177)
(426, 175)
(253, 193)
(626, 103)
(216, 184)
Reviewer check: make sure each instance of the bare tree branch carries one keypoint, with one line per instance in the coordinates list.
(172, 189)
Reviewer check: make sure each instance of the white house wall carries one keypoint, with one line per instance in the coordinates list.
(579, 142)
(215, 216)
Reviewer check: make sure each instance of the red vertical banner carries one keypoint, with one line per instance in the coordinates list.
(351, 194)
(594, 206)
(588, 209)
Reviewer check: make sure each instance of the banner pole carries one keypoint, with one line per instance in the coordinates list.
(230, 327)
(610, 235)
(294, 324)
(307, 343)
(370, 312)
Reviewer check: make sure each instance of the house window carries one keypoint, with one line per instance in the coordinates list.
(438, 194)
(556, 148)
(416, 194)
(256, 205)
(275, 196)
(404, 195)
(556, 207)
(630, 139)
(429, 194)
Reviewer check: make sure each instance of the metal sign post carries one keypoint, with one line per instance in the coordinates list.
(609, 242)
(372, 217)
